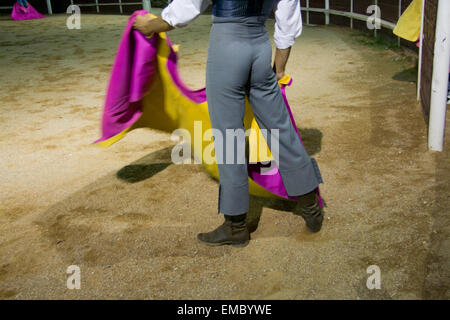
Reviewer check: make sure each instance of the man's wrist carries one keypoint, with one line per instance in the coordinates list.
(280, 75)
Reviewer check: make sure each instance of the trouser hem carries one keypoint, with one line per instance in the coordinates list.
(233, 200)
(300, 181)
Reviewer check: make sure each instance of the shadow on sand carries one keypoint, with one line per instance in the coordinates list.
(145, 168)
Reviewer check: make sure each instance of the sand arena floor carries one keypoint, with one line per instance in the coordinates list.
(129, 218)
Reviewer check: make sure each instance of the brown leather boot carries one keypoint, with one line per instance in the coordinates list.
(233, 232)
(311, 211)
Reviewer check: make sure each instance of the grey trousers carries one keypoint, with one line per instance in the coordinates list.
(239, 64)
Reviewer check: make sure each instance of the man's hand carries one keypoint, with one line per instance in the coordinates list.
(149, 25)
(142, 23)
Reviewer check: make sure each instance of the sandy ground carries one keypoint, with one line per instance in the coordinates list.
(129, 218)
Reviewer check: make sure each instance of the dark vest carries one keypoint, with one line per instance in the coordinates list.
(242, 8)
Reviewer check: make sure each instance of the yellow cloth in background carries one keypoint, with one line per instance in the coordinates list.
(408, 26)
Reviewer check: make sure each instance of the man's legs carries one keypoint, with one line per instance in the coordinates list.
(227, 70)
(300, 173)
(233, 68)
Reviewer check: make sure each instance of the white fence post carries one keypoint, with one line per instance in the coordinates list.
(375, 29)
(441, 63)
(307, 12)
(49, 7)
(327, 11)
(98, 8)
(351, 10)
(399, 15)
(146, 5)
(419, 72)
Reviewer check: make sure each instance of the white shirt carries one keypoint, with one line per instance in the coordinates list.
(288, 18)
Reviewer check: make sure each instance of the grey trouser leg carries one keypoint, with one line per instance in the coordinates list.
(239, 63)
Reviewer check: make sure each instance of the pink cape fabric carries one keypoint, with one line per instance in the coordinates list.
(19, 12)
(131, 78)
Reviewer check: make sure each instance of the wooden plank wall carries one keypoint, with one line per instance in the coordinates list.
(429, 29)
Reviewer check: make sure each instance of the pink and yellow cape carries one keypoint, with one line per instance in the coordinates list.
(146, 90)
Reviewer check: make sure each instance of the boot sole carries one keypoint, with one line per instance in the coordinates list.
(233, 244)
(315, 229)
